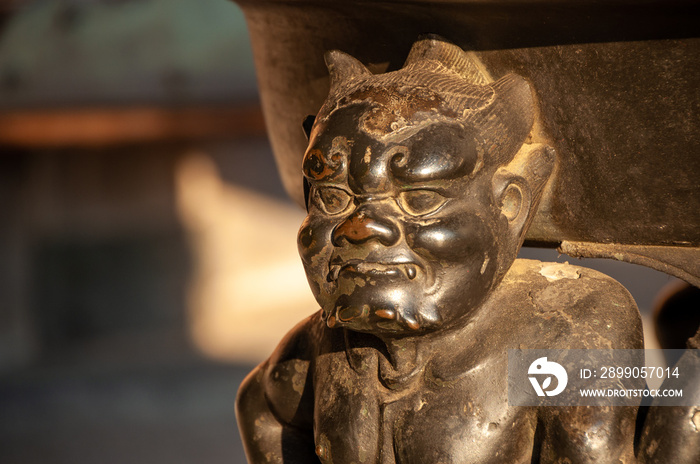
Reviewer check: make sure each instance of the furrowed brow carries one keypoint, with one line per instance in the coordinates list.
(331, 164)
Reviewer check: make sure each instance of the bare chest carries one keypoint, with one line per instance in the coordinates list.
(358, 419)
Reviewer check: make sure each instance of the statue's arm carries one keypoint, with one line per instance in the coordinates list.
(596, 434)
(274, 406)
(588, 435)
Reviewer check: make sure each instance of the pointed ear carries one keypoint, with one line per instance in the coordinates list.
(518, 187)
(343, 68)
(514, 196)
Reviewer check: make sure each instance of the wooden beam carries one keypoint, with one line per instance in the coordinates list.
(91, 127)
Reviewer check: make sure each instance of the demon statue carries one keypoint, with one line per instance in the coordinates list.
(421, 184)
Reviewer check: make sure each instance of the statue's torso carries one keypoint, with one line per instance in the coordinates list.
(425, 418)
(453, 406)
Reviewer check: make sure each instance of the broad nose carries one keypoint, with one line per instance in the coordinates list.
(364, 224)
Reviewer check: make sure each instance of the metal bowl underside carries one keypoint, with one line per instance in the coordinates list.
(617, 83)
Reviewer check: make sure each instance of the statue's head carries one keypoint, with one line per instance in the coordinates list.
(420, 189)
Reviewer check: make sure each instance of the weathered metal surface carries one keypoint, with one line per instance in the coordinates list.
(409, 249)
(617, 85)
(681, 262)
(680, 426)
(421, 184)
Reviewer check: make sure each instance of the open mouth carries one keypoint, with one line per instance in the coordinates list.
(356, 266)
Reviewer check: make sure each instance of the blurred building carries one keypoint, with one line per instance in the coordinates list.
(147, 249)
(142, 226)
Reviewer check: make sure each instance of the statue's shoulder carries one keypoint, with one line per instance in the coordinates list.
(300, 343)
(288, 373)
(576, 307)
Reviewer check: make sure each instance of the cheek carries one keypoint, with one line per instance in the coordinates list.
(454, 239)
(314, 243)
(305, 237)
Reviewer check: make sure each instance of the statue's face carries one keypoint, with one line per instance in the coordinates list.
(402, 233)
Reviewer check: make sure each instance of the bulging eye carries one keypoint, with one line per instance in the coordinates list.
(332, 200)
(420, 202)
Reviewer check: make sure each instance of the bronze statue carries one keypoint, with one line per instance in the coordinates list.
(420, 186)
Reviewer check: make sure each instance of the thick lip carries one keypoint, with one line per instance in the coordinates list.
(408, 269)
(378, 263)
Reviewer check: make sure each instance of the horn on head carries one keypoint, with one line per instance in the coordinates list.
(343, 68)
(435, 48)
(506, 122)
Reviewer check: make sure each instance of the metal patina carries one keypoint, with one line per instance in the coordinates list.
(421, 184)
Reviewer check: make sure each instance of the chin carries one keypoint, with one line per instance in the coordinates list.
(388, 300)
(381, 314)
